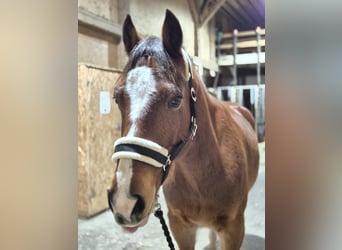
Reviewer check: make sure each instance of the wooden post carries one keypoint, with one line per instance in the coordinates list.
(196, 39)
(235, 51)
(258, 103)
(195, 19)
(258, 54)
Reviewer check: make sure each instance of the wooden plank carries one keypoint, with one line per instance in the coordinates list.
(242, 39)
(241, 59)
(244, 11)
(244, 33)
(88, 18)
(234, 8)
(233, 18)
(97, 132)
(242, 45)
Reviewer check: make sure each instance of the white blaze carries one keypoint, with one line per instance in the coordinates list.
(141, 87)
(124, 202)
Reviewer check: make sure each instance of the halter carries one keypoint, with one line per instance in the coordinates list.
(150, 152)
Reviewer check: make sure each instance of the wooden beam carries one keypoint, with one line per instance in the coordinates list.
(193, 10)
(194, 14)
(244, 12)
(209, 12)
(244, 33)
(233, 16)
(100, 23)
(241, 59)
(204, 5)
(228, 17)
(233, 8)
(242, 45)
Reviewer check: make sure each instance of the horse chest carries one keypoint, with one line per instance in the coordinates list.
(195, 196)
(193, 193)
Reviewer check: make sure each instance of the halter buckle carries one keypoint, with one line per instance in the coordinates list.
(193, 128)
(167, 163)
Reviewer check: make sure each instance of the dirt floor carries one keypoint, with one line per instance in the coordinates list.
(101, 232)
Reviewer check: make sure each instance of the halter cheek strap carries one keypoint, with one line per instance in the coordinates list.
(152, 153)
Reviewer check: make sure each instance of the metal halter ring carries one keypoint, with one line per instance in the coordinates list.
(193, 94)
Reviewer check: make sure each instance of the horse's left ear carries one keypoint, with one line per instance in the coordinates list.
(172, 35)
(130, 35)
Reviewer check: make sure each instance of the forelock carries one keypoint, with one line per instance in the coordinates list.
(152, 47)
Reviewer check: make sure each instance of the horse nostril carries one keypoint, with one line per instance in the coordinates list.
(109, 198)
(120, 219)
(139, 205)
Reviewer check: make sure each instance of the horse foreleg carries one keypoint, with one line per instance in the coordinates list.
(212, 241)
(184, 233)
(232, 236)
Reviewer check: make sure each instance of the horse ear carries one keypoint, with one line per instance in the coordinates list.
(172, 35)
(130, 35)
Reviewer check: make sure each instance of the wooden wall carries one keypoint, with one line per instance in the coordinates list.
(100, 24)
(96, 135)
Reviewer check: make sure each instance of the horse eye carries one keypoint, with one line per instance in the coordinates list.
(115, 98)
(175, 102)
(117, 94)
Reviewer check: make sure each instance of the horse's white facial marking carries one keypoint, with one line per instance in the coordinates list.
(123, 179)
(124, 201)
(141, 87)
(124, 175)
(119, 176)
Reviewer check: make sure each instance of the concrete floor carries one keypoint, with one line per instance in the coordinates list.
(101, 232)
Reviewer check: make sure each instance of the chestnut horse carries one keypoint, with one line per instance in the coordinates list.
(206, 172)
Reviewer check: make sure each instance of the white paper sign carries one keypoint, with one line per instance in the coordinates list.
(104, 102)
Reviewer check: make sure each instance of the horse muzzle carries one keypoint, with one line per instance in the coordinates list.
(127, 210)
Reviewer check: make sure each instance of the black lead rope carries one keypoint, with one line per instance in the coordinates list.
(159, 214)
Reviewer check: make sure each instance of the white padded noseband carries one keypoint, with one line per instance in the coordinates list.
(140, 149)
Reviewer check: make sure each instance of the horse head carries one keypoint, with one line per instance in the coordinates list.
(154, 99)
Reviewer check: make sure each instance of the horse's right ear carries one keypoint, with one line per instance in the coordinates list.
(172, 35)
(130, 35)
